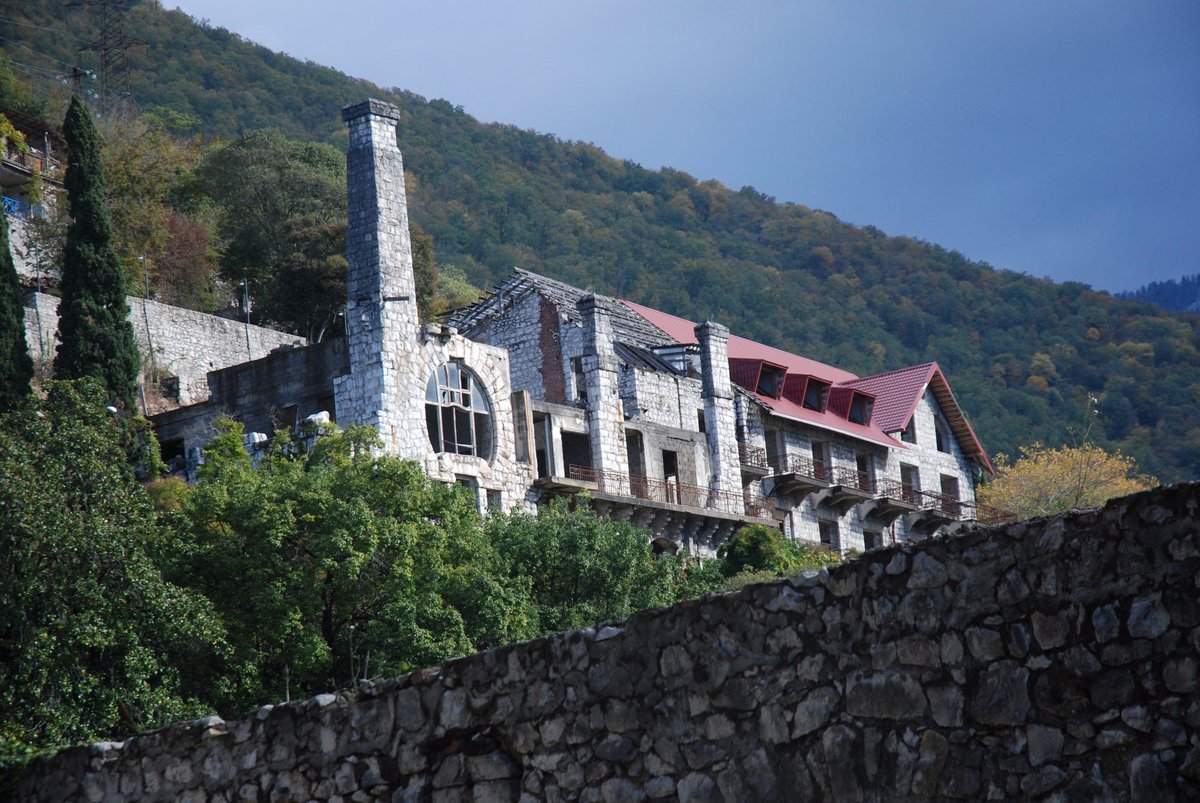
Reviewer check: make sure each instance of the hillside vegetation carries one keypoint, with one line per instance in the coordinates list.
(1024, 354)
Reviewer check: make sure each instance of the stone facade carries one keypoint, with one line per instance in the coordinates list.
(176, 342)
(1052, 660)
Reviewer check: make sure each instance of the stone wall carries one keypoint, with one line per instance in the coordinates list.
(1051, 659)
(182, 342)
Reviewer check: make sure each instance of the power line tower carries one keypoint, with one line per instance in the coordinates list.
(113, 47)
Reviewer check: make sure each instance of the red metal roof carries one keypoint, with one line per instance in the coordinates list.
(896, 392)
(744, 351)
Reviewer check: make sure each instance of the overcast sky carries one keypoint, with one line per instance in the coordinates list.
(1056, 138)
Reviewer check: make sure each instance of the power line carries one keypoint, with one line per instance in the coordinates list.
(113, 45)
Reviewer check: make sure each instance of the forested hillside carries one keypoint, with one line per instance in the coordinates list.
(1180, 295)
(1024, 354)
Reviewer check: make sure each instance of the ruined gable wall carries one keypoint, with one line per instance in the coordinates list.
(183, 343)
(1055, 657)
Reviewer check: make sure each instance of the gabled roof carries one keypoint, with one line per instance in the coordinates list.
(898, 392)
(627, 326)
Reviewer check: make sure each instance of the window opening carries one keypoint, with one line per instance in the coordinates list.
(866, 476)
(829, 533)
(457, 413)
(670, 462)
(816, 393)
(577, 450)
(495, 501)
(580, 379)
(770, 381)
(818, 458)
(860, 409)
(910, 482)
(943, 437)
(909, 433)
(872, 539)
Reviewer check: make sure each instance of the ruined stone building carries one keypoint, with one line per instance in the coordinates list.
(543, 389)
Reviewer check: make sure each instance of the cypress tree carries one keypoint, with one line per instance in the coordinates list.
(95, 337)
(16, 367)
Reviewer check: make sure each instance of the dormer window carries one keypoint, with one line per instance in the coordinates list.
(860, 409)
(770, 380)
(816, 393)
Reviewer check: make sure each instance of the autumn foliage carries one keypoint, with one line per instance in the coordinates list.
(1045, 481)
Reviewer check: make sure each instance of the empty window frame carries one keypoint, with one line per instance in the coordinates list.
(457, 413)
(909, 433)
(770, 380)
(872, 539)
(942, 433)
(828, 531)
(816, 394)
(860, 409)
(910, 482)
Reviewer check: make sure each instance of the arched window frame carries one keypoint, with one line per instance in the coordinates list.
(458, 414)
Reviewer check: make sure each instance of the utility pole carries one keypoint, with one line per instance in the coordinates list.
(113, 46)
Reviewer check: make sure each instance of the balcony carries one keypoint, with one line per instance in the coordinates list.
(753, 460)
(688, 515)
(847, 487)
(794, 474)
(892, 500)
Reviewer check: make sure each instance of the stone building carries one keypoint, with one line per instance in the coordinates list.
(543, 389)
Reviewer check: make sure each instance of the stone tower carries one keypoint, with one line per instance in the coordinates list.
(381, 303)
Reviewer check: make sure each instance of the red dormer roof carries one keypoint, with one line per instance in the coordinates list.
(898, 392)
(743, 353)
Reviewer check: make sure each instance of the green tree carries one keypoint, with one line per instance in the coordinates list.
(16, 366)
(94, 334)
(759, 549)
(329, 562)
(582, 569)
(93, 641)
(281, 204)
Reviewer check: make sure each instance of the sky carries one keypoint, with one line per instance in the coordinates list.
(1058, 138)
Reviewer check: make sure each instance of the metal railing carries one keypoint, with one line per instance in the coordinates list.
(14, 207)
(752, 455)
(895, 489)
(798, 464)
(852, 478)
(671, 491)
(32, 159)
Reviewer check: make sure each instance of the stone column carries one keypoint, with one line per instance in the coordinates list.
(725, 473)
(381, 304)
(606, 425)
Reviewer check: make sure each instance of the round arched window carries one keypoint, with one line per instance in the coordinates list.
(457, 413)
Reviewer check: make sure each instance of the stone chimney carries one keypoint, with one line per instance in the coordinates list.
(725, 473)
(381, 304)
(606, 425)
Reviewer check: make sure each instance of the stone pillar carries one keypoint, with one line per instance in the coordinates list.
(606, 425)
(381, 304)
(719, 419)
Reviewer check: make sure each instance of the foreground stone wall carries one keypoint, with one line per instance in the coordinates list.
(182, 342)
(1052, 659)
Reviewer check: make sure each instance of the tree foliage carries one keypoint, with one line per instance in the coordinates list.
(94, 334)
(1045, 481)
(16, 366)
(93, 641)
(757, 548)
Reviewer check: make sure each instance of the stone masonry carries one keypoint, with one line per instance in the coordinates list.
(1055, 659)
(175, 341)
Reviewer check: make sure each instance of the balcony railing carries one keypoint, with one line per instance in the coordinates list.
(752, 455)
(852, 478)
(671, 492)
(33, 160)
(14, 207)
(798, 464)
(895, 489)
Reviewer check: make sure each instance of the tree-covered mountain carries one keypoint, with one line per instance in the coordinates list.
(1179, 295)
(1025, 355)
